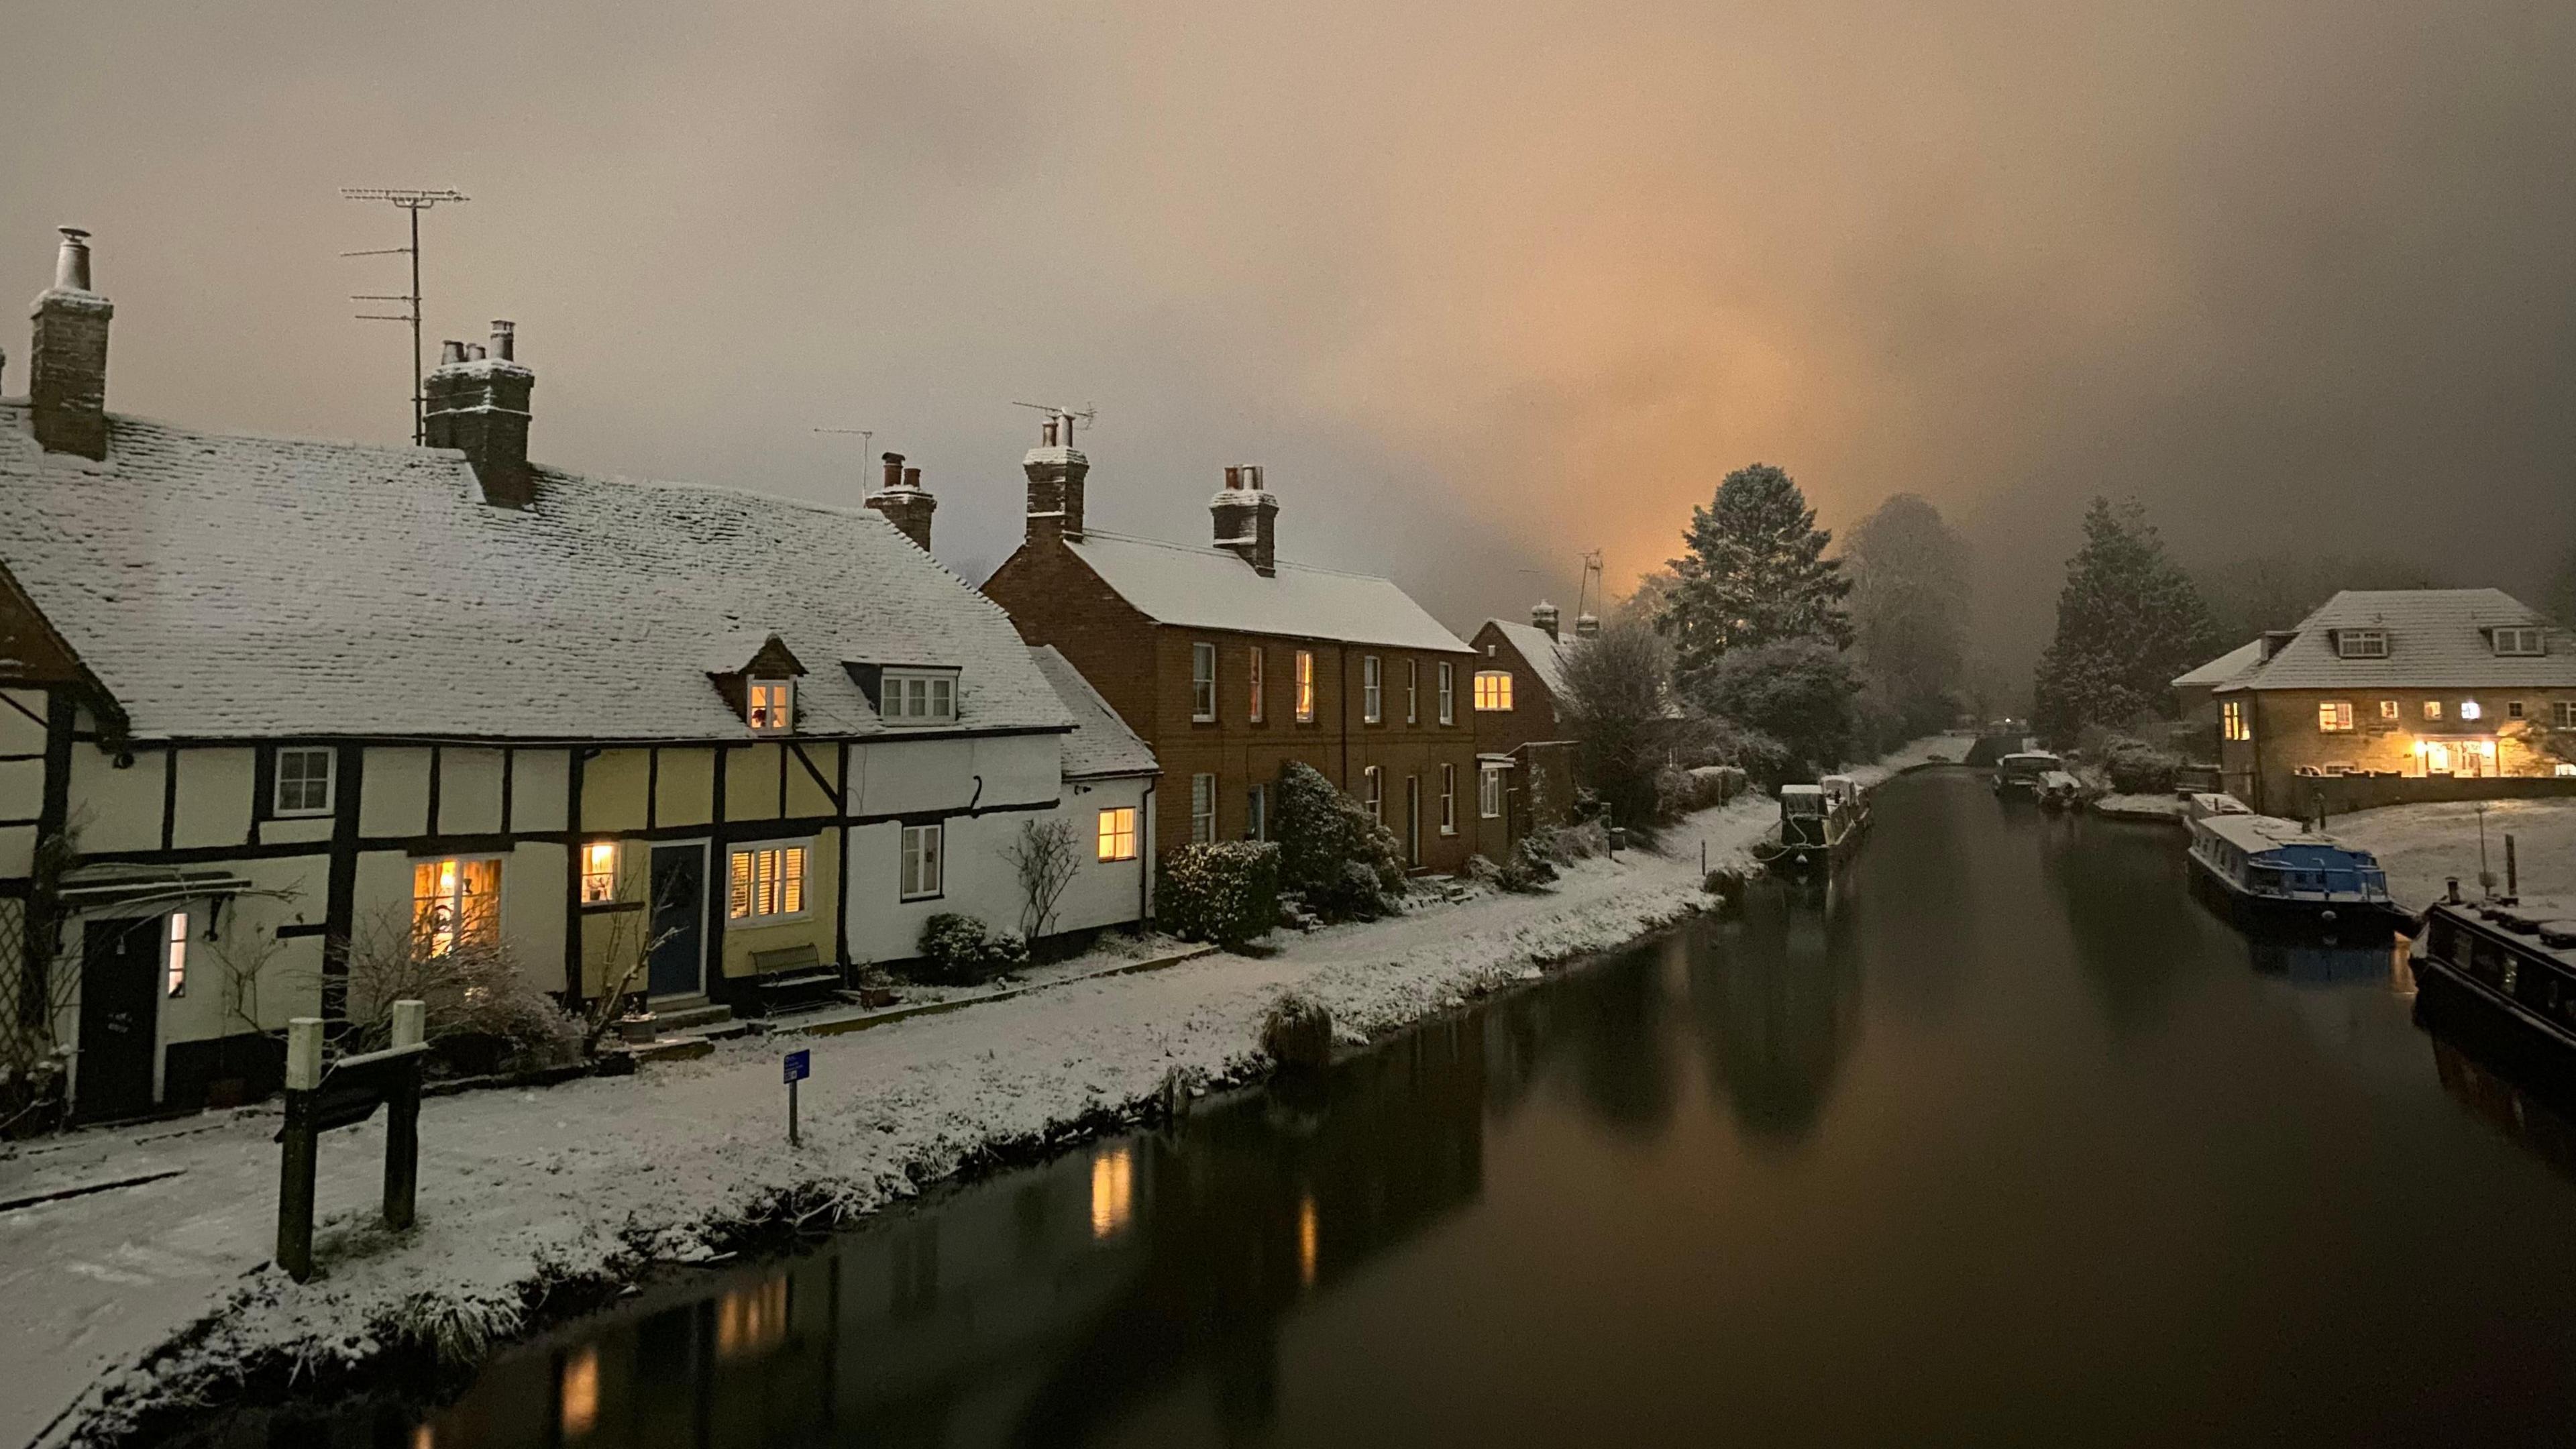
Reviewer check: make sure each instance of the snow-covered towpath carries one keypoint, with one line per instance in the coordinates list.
(515, 1182)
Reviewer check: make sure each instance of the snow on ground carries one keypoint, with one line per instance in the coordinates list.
(2420, 846)
(2142, 807)
(516, 1182)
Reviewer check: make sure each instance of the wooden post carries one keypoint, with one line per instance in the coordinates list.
(402, 1116)
(296, 1162)
(2512, 876)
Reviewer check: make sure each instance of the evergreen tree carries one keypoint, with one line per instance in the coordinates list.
(1753, 572)
(2128, 621)
(1909, 608)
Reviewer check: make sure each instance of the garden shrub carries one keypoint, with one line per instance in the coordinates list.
(2135, 767)
(1226, 891)
(960, 950)
(1342, 862)
(1297, 1032)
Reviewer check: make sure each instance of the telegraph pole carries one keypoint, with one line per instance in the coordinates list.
(413, 204)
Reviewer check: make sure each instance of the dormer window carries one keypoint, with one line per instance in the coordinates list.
(770, 706)
(2362, 643)
(2520, 639)
(917, 697)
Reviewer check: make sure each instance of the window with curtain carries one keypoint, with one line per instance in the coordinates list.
(766, 881)
(456, 902)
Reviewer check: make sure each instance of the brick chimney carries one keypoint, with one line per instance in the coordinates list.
(1056, 470)
(1544, 615)
(67, 367)
(478, 403)
(1247, 519)
(903, 501)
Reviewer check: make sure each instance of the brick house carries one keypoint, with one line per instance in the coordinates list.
(1230, 662)
(1522, 749)
(2388, 695)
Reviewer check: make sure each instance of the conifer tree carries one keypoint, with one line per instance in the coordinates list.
(2128, 621)
(1753, 572)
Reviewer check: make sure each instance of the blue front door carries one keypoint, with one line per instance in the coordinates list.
(679, 920)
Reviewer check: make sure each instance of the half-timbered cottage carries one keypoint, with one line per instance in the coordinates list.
(263, 700)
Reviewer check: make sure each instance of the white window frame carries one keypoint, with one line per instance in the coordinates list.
(278, 783)
(598, 872)
(1489, 790)
(2388, 709)
(1203, 683)
(2433, 710)
(1413, 691)
(769, 706)
(1302, 681)
(2470, 709)
(456, 900)
(2527, 640)
(1202, 809)
(2334, 716)
(1256, 812)
(174, 956)
(901, 706)
(1373, 780)
(1117, 839)
(1448, 799)
(753, 916)
(1501, 693)
(1253, 674)
(2513, 709)
(2361, 643)
(1372, 690)
(1448, 692)
(2235, 721)
(921, 861)
(2562, 713)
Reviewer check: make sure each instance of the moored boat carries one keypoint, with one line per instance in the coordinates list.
(1817, 827)
(2265, 870)
(2019, 772)
(2514, 960)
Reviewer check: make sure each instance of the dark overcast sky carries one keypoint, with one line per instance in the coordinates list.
(1482, 284)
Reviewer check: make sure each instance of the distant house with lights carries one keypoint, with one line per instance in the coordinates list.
(264, 700)
(1524, 755)
(2388, 695)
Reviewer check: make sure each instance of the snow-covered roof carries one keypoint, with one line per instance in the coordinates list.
(1545, 655)
(226, 585)
(1101, 743)
(2255, 834)
(2223, 668)
(2437, 639)
(1210, 588)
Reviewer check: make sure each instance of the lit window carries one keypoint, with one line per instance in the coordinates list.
(1448, 692)
(179, 953)
(765, 881)
(1256, 813)
(917, 696)
(923, 873)
(599, 872)
(2432, 709)
(2334, 716)
(1413, 691)
(2471, 709)
(456, 903)
(1252, 673)
(1203, 682)
(1305, 683)
(1493, 690)
(2233, 721)
(1372, 695)
(771, 706)
(2362, 643)
(1118, 833)
(303, 782)
(2388, 709)
(1376, 786)
(1489, 791)
(2519, 640)
(1448, 796)
(1202, 809)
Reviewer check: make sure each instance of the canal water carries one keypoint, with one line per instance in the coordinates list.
(2005, 1140)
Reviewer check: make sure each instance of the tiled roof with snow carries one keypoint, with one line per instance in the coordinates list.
(1545, 655)
(1101, 743)
(2223, 668)
(223, 585)
(1209, 588)
(2437, 639)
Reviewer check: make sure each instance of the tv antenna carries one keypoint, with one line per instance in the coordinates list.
(1589, 591)
(413, 204)
(1061, 420)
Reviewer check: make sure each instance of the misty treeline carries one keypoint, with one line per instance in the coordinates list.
(1757, 649)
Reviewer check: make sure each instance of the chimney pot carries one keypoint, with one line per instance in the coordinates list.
(904, 502)
(912, 479)
(1233, 479)
(505, 339)
(477, 403)
(71, 264)
(450, 352)
(1545, 616)
(67, 366)
(893, 465)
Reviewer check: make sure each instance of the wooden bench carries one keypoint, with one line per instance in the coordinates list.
(791, 974)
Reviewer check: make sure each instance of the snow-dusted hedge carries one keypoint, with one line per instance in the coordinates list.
(1226, 891)
(960, 950)
(2136, 767)
(1341, 861)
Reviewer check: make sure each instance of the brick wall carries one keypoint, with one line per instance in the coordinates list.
(2265, 771)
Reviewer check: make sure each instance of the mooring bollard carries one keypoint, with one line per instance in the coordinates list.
(300, 1136)
(402, 1114)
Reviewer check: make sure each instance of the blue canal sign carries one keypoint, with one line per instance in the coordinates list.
(800, 1065)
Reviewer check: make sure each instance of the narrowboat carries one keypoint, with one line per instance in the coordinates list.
(2018, 773)
(1815, 829)
(1844, 793)
(2058, 790)
(2262, 869)
(2511, 960)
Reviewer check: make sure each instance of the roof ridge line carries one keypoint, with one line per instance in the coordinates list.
(1212, 551)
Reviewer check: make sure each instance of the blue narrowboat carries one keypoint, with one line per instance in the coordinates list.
(2262, 869)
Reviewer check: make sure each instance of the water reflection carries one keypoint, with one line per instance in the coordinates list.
(1777, 1008)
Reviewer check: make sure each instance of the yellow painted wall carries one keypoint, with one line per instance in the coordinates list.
(688, 787)
(742, 938)
(612, 791)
